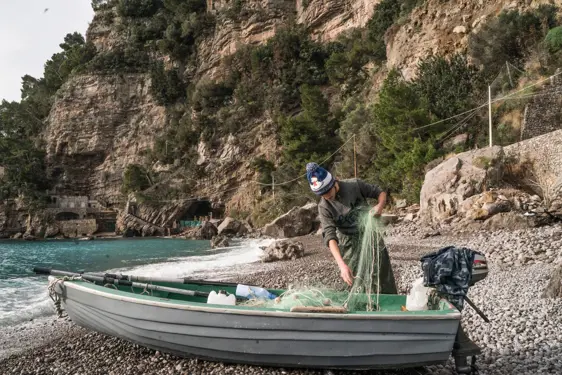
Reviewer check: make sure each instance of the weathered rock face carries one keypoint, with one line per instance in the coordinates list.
(283, 250)
(441, 27)
(326, 19)
(97, 126)
(134, 226)
(299, 221)
(446, 186)
(11, 221)
(255, 25)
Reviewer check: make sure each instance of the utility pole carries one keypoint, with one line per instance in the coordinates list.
(273, 185)
(509, 74)
(490, 113)
(354, 157)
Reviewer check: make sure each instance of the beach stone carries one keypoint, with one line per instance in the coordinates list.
(283, 250)
(219, 241)
(554, 287)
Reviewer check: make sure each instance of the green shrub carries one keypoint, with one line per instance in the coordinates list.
(510, 37)
(450, 86)
(138, 8)
(553, 39)
(128, 60)
(166, 86)
(135, 179)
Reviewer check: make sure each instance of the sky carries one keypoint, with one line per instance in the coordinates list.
(29, 36)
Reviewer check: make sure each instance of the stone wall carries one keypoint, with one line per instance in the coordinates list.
(545, 150)
(544, 113)
(84, 227)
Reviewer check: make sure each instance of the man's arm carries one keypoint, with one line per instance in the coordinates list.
(345, 272)
(373, 191)
(331, 241)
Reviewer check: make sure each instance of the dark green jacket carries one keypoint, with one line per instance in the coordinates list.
(342, 213)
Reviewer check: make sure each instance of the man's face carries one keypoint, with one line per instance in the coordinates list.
(331, 194)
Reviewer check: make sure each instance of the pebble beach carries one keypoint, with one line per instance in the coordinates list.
(523, 336)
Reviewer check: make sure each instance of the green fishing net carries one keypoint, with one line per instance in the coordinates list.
(365, 291)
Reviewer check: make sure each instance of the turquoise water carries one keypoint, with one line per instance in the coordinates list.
(23, 295)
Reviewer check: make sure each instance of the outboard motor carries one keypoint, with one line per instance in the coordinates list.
(446, 271)
(464, 347)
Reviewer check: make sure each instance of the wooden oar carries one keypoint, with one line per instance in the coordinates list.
(146, 279)
(113, 281)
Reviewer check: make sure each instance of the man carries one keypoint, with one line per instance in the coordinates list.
(340, 205)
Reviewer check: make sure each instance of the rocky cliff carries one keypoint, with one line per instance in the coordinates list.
(102, 122)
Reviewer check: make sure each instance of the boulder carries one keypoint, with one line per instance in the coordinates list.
(17, 236)
(207, 231)
(554, 287)
(232, 227)
(454, 180)
(508, 220)
(51, 231)
(283, 250)
(29, 237)
(219, 241)
(299, 221)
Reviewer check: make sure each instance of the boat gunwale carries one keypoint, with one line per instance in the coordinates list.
(453, 314)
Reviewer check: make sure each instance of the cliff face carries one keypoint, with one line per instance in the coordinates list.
(326, 19)
(100, 123)
(443, 27)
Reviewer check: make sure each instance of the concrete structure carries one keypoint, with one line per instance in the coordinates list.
(78, 228)
(80, 214)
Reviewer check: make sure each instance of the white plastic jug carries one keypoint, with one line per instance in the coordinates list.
(252, 292)
(418, 297)
(221, 298)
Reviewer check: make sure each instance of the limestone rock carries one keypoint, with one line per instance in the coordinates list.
(207, 231)
(283, 250)
(232, 227)
(29, 237)
(219, 241)
(299, 221)
(52, 231)
(507, 220)
(460, 30)
(449, 184)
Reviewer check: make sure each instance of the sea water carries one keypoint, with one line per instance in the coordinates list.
(23, 295)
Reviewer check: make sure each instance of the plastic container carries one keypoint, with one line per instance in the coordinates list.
(418, 297)
(252, 292)
(221, 298)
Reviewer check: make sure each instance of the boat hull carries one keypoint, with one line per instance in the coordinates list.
(264, 338)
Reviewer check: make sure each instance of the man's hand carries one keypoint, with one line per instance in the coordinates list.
(377, 210)
(346, 274)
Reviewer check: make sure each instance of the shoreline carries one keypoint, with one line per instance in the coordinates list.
(75, 350)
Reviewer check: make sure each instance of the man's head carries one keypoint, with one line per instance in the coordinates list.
(320, 180)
